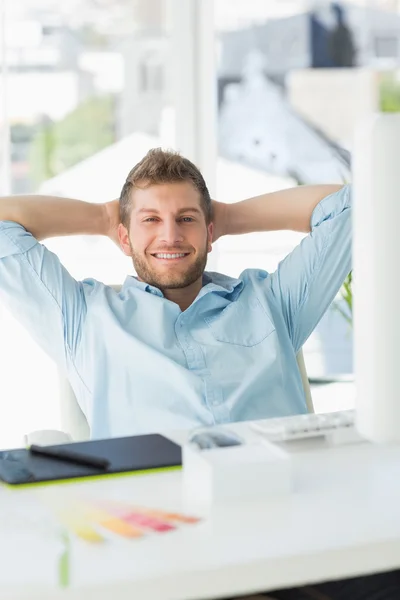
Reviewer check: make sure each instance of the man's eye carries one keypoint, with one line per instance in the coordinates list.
(149, 219)
(188, 219)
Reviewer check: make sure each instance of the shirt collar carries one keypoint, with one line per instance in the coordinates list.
(221, 284)
(212, 282)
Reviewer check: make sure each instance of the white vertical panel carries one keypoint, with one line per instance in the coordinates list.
(376, 179)
(194, 82)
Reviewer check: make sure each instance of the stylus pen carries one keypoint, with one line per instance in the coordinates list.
(62, 454)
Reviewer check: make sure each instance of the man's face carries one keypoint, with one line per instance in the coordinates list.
(168, 238)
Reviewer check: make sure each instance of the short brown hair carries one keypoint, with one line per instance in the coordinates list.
(162, 166)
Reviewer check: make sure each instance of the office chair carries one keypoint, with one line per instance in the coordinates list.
(75, 426)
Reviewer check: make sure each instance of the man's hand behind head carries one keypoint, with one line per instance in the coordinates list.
(219, 219)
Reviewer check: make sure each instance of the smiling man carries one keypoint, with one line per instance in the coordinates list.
(177, 347)
(166, 226)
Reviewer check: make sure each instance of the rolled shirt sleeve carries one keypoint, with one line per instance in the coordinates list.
(308, 279)
(40, 293)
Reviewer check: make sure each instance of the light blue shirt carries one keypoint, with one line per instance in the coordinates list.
(138, 364)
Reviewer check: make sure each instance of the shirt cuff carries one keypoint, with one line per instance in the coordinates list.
(331, 206)
(14, 239)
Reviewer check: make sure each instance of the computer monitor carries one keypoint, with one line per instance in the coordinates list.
(376, 261)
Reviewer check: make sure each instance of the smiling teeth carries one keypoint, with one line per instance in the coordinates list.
(170, 255)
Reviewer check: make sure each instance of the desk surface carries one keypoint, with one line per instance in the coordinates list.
(341, 520)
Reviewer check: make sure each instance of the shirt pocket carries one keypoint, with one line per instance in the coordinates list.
(242, 324)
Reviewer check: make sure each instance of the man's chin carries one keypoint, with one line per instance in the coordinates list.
(170, 277)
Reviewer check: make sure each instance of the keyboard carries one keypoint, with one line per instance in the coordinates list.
(337, 427)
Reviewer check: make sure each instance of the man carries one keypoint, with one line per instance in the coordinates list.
(178, 347)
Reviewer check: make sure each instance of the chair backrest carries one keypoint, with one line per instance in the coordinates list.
(74, 422)
(306, 384)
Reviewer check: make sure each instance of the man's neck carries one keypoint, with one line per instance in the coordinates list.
(184, 297)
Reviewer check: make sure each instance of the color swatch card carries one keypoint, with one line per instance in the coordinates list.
(97, 521)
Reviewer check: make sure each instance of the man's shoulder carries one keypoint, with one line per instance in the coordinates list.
(14, 239)
(249, 280)
(254, 275)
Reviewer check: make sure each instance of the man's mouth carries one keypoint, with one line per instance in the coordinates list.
(170, 255)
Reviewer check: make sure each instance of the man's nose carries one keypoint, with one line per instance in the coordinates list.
(171, 233)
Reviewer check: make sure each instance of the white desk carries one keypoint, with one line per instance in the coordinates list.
(342, 520)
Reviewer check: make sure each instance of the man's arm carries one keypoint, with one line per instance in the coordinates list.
(48, 216)
(308, 279)
(286, 209)
(34, 285)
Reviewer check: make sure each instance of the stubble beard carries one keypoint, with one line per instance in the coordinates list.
(171, 280)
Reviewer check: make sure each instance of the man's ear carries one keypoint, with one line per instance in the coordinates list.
(210, 230)
(123, 236)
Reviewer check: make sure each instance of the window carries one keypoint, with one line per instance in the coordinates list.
(74, 111)
(277, 128)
